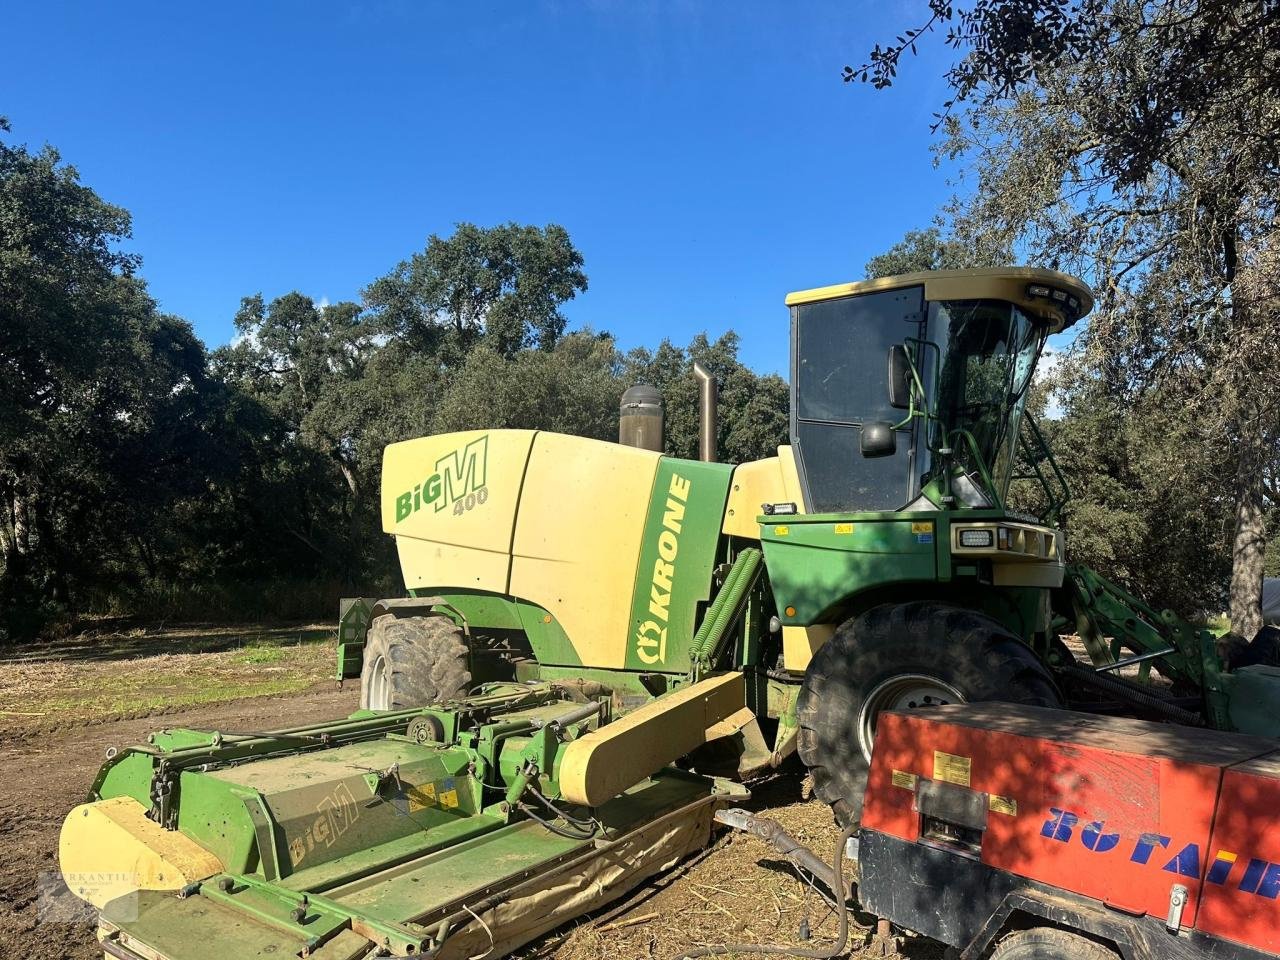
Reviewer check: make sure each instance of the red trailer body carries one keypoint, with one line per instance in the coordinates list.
(1168, 832)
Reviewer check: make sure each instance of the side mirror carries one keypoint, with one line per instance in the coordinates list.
(900, 380)
(879, 439)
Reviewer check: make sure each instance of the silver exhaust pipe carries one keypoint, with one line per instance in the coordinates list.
(708, 413)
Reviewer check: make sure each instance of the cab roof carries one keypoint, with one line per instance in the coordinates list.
(1044, 294)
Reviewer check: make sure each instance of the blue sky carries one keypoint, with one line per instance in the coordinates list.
(705, 157)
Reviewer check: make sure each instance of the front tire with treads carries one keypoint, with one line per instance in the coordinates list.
(902, 656)
(412, 662)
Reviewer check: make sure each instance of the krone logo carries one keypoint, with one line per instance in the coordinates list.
(651, 636)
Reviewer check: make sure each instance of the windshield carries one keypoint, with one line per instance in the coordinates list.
(988, 350)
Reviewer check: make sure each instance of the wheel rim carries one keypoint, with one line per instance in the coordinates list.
(907, 691)
(379, 685)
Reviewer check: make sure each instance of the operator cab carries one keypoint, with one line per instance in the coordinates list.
(908, 392)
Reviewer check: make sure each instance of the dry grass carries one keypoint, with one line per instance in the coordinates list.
(94, 678)
(739, 891)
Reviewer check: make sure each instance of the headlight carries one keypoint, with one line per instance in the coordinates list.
(976, 538)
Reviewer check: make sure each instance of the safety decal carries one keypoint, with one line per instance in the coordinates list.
(1005, 805)
(951, 768)
(907, 781)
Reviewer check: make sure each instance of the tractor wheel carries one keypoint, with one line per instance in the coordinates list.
(897, 657)
(412, 661)
(1050, 943)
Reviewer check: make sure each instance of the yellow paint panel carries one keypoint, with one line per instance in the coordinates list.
(434, 565)
(791, 478)
(799, 644)
(578, 538)
(775, 480)
(996, 283)
(603, 763)
(451, 502)
(109, 848)
(753, 485)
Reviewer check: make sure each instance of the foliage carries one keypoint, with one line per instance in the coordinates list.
(1133, 143)
(140, 473)
(572, 388)
(502, 284)
(1148, 506)
(103, 399)
(919, 250)
(754, 408)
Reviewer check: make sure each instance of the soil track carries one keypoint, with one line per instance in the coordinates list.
(44, 775)
(737, 891)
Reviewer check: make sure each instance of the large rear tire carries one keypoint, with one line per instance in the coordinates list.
(895, 657)
(412, 662)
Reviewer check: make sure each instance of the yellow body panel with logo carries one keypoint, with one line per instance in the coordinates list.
(552, 519)
(451, 500)
(578, 539)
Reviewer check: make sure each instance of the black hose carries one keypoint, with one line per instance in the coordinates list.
(1132, 693)
(787, 949)
(558, 831)
(592, 824)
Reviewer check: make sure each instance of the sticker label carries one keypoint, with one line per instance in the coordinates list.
(1005, 805)
(781, 531)
(925, 527)
(421, 797)
(907, 781)
(427, 795)
(844, 529)
(951, 768)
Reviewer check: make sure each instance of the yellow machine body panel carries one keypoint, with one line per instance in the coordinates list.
(601, 764)
(109, 849)
(551, 519)
(577, 538)
(774, 480)
(450, 500)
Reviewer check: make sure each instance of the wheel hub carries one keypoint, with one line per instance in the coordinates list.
(379, 685)
(907, 691)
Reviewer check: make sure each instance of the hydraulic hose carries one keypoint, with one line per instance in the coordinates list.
(791, 950)
(1131, 693)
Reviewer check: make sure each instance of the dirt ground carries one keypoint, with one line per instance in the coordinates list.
(43, 775)
(737, 891)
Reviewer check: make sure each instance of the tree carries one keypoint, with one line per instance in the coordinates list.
(314, 368)
(502, 284)
(573, 388)
(920, 250)
(753, 412)
(1134, 143)
(100, 394)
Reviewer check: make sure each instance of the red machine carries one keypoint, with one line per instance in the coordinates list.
(1041, 833)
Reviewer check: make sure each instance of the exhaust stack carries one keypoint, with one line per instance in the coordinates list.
(708, 413)
(640, 418)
